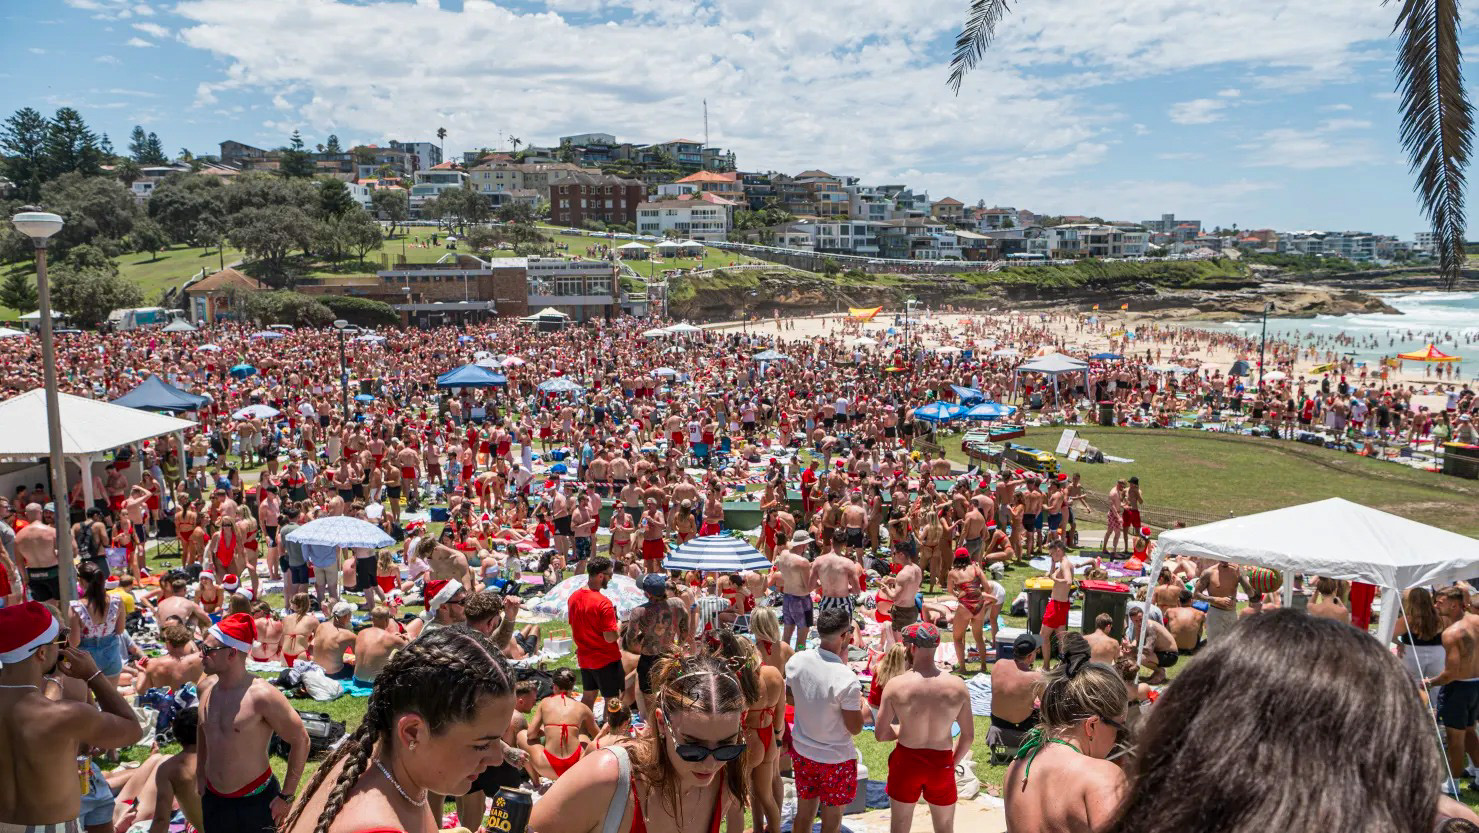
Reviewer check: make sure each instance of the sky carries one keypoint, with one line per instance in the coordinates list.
(1275, 114)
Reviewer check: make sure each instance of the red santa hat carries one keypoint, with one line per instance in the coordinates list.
(207, 574)
(111, 583)
(237, 631)
(24, 630)
(1145, 532)
(246, 593)
(230, 582)
(442, 590)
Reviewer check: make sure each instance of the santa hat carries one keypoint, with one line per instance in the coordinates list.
(230, 582)
(24, 630)
(441, 590)
(237, 631)
(1145, 532)
(111, 583)
(246, 593)
(207, 574)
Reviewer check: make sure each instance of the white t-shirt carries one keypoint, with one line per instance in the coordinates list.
(823, 687)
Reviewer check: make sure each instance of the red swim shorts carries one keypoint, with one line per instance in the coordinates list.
(834, 785)
(1132, 519)
(653, 549)
(709, 528)
(927, 772)
(1056, 614)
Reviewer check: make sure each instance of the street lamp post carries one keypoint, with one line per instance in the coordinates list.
(1263, 342)
(341, 325)
(40, 226)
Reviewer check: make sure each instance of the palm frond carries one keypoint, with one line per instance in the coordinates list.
(1437, 120)
(971, 43)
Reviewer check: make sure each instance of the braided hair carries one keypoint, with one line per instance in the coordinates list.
(738, 655)
(440, 676)
(681, 684)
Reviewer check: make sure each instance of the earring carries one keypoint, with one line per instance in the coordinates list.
(413, 746)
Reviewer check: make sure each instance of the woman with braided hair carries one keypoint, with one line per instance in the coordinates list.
(433, 724)
(677, 778)
(1061, 779)
(765, 697)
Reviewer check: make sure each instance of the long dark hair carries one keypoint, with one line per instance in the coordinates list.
(701, 684)
(1236, 727)
(93, 579)
(441, 676)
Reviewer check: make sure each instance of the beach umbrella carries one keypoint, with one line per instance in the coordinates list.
(716, 554)
(947, 350)
(242, 371)
(684, 328)
(370, 338)
(342, 531)
(862, 341)
(481, 354)
(987, 411)
(256, 412)
(657, 332)
(1275, 376)
(623, 592)
(770, 356)
(209, 348)
(464, 339)
(1005, 351)
(179, 325)
(6, 332)
(364, 397)
(488, 362)
(266, 334)
(968, 396)
(560, 384)
(512, 361)
(1106, 357)
(938, 412)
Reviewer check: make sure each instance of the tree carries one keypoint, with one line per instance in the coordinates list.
(186, 156)
(361, 311)
(148, 236)
(138, 144)
(97, 209)
(441, 140)
(23, 152)
(334, 199)
(331, 145)
(296, 161)
(483, 237)
(1437, 118)
(154, 151)
(361, 233)
(516, 211)
(185, 204)
(268, 234)
(391, 204)
(88, 295)
(18, 291)
(71, 146)
(514, 142)
(128, 171)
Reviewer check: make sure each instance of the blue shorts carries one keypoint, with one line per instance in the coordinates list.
(97, 805)
(106, 652)
(1055, 520)
(298, 573)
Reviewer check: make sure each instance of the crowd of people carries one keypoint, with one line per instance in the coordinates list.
(695, 705)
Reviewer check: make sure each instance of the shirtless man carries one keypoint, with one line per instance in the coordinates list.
(174, 602)
(1330, 605)
(1103, 647)
(445, 562)
(35, 550)
(905, 610)
(973, 531)
(41, 737)
(1160, 646)
(298, 629)
(918, 709)
(652, 629)
(329, 641)
(1185, 623)
(1460, 675)
(795, 570)
(854, 518)
(174, 779)
(177, 666)
(652, 525)
(839, 579)
(1218, 586)
(374, 645)
(1014, 692)
(1032, 518)
(1055, 616)
(239, 713)
(561, 509)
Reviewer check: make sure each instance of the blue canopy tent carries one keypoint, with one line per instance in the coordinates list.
(987, 411)
(471, 376)
(968, 396)
(155, 394)
(937, 412)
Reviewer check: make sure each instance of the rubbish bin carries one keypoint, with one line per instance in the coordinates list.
(1038, 590)
(1461, 460)
(1106, 413)
(1105, 597)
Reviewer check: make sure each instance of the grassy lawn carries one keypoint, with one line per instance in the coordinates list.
(1213, 476)
(173, 267)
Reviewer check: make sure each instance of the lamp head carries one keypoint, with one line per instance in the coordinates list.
(341, 324)
(37, 225)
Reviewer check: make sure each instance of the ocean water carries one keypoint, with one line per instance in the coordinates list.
(1447, 319)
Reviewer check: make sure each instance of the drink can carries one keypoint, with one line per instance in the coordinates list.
(510, 811)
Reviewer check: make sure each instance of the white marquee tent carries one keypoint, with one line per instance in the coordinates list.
(1334, 538)
(1054, 365)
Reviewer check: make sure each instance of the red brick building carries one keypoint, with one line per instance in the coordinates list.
(575, 197)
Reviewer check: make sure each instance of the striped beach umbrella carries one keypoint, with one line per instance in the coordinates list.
(716, 554)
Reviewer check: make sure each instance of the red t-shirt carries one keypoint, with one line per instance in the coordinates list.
(542, 536)
(592, 614)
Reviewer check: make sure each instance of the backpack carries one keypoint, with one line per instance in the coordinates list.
(543, 679)
(324, 733)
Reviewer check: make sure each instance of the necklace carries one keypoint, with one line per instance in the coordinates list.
(396, 784)
(21, 686)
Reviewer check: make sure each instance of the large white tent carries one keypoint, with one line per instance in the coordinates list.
(1053, 365)
(1337, 539)
(89, 429)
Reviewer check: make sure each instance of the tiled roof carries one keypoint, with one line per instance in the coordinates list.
(225, 278)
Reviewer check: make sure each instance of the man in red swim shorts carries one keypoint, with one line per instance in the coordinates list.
(1055, 615)
(918, 709)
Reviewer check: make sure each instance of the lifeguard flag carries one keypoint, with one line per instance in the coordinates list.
(1096, 306)
(1124, 306)
(863, 314)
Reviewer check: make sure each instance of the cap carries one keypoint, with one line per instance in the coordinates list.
(1025, 644)
(343, 609)
(655, 584)
(962, 552)
(922, 633)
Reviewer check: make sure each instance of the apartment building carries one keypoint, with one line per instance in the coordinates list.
(916, 238)
(370, 159)
(430, 184)
(576, 197)
(948, 209)
(825, 192)
(424, 155)
(1091, 240)
(726, 185)
(691, 218)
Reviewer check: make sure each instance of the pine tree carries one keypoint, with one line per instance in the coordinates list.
(138, 144)
(23, 152)
(296, 161)
(331, 145)
(18, 291)
(71, 146)
(154, 151)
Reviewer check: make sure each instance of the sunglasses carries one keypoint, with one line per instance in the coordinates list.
(206, 650)
(695, 753)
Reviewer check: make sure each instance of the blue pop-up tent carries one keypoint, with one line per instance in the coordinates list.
(155, 394)
(471, 376)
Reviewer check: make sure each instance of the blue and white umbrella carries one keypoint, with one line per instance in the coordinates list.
(257, 412)
(938, 412)
(560, 384)
(716, 554)
(363, 397)
(990, 410)
(340, 531)
(266, 334)
(968, 396)
(370, 338)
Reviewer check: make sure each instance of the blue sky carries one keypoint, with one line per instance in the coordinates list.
(1276, 114)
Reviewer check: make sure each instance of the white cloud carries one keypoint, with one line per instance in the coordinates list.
(1197, 111)
(1336, 108)
(138, 42)
(1229, 93)
(1140, 129)
(36, 50)
(1313, 149)
(143, 10)
(152, 29)
(107, 59)
(1179, 156)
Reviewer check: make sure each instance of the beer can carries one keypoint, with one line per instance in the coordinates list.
(510, 811)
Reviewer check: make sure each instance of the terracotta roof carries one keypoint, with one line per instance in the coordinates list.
(227, 277)
(812, 174)
(948, 201)
(445, 166)
(710, 176)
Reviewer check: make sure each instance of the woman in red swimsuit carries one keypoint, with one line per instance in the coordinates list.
(575, 722)
(690, 765)
(432, 726)
(765, 691)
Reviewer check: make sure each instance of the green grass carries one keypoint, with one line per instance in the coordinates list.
(1210, 476)
(172, 267)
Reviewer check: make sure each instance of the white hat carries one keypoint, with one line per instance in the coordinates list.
(343, 609)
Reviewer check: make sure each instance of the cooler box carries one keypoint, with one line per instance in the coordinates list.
(1038, 590)
(1004, 639)
(439, 514)
(1105, 597)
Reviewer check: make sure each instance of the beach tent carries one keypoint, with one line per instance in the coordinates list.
(656, 332)
(1239, 368)
(560, 384)
(1337, 539)
(1054, 365)
(863, 313)
(6, 332)
(691, 246)
(155, 394)
(470, 376)
(968, 396)
(634, 250)
(667, 246)
(1431, 353)
(770, 356)
(179, 325)
(684, 328)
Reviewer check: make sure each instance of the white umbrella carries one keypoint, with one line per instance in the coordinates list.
(1276, 376)
(482, 354)
(512, 361)
(862, 341)
(487, 362)
(657, 332)
(684, 328)
(664, 371)
(6, 332)
(340, 531)
(370, 338)
(1005, 351)
(209, 348)
(256, 412)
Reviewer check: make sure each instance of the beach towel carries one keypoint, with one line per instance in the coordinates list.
(979, 688)
(355, 688)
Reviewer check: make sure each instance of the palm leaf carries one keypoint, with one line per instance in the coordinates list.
(971, 43)
(1437, 120)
